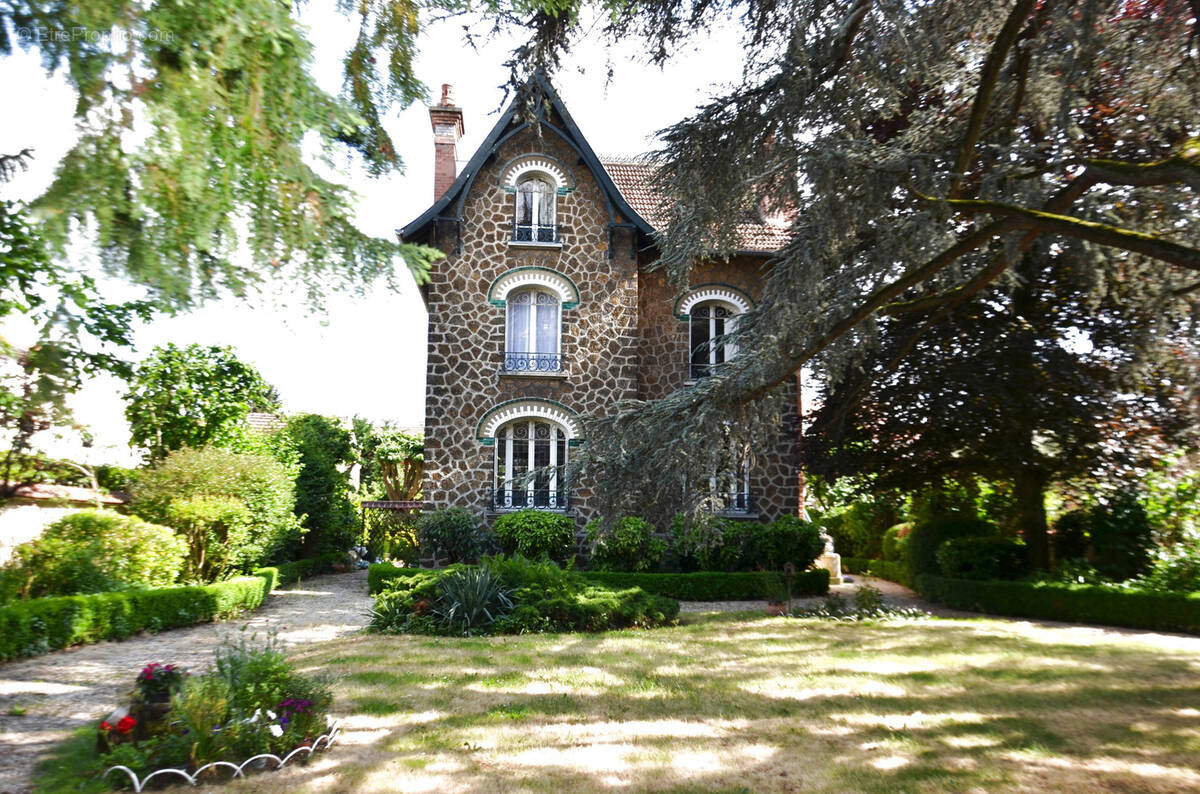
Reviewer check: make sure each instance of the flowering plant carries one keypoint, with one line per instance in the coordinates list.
(159, 679)
(123, 726)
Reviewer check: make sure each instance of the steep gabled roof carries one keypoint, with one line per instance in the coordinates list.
(449, 206)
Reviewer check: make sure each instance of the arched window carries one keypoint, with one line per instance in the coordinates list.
(534, 217)
(531, 456)
(711, 321)
(532, 339)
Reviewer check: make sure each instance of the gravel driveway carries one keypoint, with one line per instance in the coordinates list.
(63, 690)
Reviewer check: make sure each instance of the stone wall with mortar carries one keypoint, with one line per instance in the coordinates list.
(663, 357)
(621, 341)
(467, 333)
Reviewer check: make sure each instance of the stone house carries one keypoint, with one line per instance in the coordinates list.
(543, 314)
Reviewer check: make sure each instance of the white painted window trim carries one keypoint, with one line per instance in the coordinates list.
(714, 293)
(531, 330)
(549, 280)
(507, 451)
(532, 409)
(535, 165)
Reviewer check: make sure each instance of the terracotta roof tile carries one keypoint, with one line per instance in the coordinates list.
(633, 176)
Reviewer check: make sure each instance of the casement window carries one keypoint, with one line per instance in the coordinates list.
(534, 219)
(533, 332)
(531, 456)
(710, 322)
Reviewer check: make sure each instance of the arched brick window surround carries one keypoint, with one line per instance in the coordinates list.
(548, 410)
(724, 293)
(531, 276)
(540, 165)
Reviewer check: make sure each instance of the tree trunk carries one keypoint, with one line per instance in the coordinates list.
(1030, 487)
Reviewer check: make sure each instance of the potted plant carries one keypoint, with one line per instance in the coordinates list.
(151, 700)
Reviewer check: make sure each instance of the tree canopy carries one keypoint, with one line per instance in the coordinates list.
(191, 117)
(924, 148)
(193, 396)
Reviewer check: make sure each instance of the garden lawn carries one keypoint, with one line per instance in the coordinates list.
(738, 703)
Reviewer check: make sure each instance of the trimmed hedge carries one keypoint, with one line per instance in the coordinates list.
(1108, 606)
(291, 572)
(881, 569)
(29, 628)
(706, 586)
(380, 573)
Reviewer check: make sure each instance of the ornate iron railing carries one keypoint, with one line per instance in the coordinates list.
(526, 233)
(532, 362)
(518, 498)
(731, 502)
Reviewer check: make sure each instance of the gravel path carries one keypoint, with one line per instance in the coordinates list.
(61, 691)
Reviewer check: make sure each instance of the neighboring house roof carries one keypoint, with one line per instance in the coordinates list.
(263, 422)
(48, 492)
(559, 122)
(634, 177)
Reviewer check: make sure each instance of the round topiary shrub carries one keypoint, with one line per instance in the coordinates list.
(627, 545)
(788, 539)
(453, 534)
(983, 558)
(928, 536)
(895, 542)
(94, 551)
(536, 534)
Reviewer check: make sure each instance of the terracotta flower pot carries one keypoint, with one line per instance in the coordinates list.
(776, 608)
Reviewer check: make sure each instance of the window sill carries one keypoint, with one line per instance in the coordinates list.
(520, 373)
(499, 511)
(534, 244)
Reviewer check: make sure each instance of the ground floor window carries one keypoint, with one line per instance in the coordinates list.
(531, 457)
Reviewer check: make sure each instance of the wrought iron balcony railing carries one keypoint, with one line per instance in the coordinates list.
(524, 233)
(518, 498)
(533, 362)
(732, 502)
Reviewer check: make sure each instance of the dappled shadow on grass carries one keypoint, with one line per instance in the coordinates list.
(759, 705)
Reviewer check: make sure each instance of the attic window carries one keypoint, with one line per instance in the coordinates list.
(535, 210)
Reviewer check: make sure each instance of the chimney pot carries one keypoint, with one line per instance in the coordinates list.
(447, 121)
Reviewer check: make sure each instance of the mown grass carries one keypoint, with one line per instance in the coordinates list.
(742, 704)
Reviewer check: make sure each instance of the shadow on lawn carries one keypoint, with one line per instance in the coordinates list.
(729, 705)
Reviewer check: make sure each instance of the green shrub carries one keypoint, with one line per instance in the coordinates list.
(788, 539)
(983, 558)
(94, 551)
(289, 572)
(1070, 537)
(1177, 572)
(895, 543)
(391, 535)
(928, 536)
(544, 598)
(1120, 538)
(29, 628)
(630, 545)
(215, 528)
(698, 540)
(453, 534)
(711, 586)
(1104, 605)
(380, 576)
(259, 482)
(881, 569)
(857, 529)
(323, 483)
(536, 534)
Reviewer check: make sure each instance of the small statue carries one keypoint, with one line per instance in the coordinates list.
(825, 536)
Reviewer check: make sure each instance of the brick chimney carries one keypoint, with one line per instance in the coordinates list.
(447, 120)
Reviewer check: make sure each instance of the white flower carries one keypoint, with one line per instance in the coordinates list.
(270, 714)
(276, 731)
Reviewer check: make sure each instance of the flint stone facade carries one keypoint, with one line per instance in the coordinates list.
(620, 337)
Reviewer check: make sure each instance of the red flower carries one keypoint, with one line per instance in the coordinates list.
(126, 724)
(104, 726)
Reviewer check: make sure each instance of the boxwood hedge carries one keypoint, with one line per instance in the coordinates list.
(40, 625)
(712, 586)
(881, 569)
(1068, 602)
